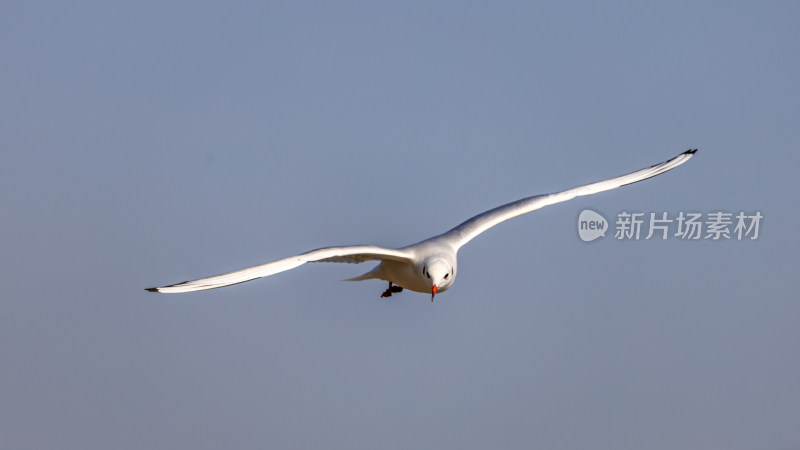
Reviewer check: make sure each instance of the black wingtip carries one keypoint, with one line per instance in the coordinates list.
(690, 152)
(151, 289)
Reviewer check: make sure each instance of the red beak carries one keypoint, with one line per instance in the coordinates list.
(433, 291)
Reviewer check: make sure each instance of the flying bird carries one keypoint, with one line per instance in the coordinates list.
(429, 266)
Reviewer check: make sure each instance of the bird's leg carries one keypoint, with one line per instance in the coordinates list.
(392, 288)
(387, 292)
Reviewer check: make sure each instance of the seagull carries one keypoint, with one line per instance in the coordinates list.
(429, 266)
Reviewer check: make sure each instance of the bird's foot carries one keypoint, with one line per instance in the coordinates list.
(392, 288)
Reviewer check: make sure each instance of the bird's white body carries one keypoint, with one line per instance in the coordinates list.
(426, 256)
(429, 266)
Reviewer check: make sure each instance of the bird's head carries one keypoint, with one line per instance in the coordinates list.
(440, 274)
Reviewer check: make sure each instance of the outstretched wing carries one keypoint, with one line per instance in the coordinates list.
(465, 232)
(350, 254)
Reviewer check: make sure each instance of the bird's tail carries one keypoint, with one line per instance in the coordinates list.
(372, 274)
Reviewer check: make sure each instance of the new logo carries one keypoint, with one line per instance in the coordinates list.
(591, 225)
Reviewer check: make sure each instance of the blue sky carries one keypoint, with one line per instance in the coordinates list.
(152, 142)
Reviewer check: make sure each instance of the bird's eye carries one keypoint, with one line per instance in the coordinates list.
(446, 276)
